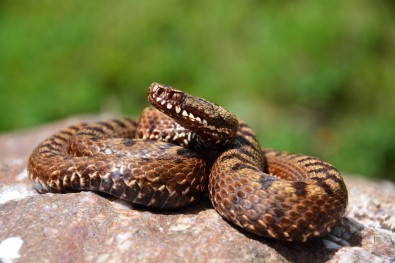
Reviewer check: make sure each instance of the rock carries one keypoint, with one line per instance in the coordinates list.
(91, 227)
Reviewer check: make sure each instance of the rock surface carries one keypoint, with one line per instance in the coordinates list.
(89, 227)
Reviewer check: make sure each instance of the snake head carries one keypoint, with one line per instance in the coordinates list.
(214, 124)
(165, 97)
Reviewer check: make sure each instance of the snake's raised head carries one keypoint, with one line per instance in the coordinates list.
(214, 124)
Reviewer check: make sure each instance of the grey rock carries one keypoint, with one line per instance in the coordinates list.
(91, 227)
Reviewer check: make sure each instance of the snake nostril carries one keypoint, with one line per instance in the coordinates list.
(159, 90)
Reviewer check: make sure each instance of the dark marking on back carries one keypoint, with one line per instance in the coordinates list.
(97, 129)
(49, 153)
(88, 134)
(129, 142)
(327, 174)
(130, 121)
(318, 163)
(107, 125)
(300, 188)
(240, 143)
(243, 125)
(185, 152)
(235, 156)
(120, 123)
(59, 145)
(321, 182)
(267, 181)
(241, 166)
(248, 133)
(60, 138)
(304, 159)
(50, 146)
(76, 128)
(68, 133)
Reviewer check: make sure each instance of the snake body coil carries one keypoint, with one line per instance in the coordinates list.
(165, 158)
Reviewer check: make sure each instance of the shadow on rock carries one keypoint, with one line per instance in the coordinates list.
(347, 233)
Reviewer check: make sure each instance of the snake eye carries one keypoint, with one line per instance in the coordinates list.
(176, 97)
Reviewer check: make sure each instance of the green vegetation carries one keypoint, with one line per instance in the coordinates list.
(316, 77)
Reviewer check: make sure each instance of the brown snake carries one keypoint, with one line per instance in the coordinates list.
(164, 160)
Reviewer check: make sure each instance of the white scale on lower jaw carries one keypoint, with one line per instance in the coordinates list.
(178, 109)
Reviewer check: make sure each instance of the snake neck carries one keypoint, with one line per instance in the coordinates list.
(244, 151)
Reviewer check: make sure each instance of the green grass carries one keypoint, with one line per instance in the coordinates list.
(310, 76)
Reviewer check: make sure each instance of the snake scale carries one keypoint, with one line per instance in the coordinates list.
(166, 159)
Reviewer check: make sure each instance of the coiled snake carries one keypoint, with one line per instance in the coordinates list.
(166, 158)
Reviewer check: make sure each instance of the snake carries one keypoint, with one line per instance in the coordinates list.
(182, 145)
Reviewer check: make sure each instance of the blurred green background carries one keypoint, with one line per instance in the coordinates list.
(316, 77)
